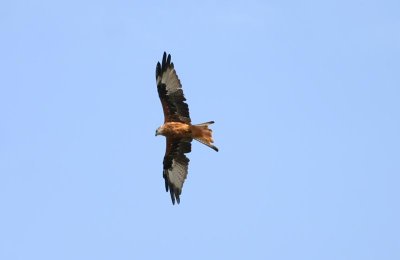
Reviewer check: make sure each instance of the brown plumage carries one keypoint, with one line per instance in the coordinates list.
(177, 128)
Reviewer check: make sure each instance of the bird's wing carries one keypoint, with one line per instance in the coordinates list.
(170, 92)
(176, 166)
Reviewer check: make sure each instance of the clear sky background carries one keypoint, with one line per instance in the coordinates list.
(306, 100)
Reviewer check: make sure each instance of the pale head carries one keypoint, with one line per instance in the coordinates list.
(159, 131)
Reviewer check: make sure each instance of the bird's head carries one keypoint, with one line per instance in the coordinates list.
(158, 131)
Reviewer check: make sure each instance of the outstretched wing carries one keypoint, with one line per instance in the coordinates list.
(170, 92)
(176, 166)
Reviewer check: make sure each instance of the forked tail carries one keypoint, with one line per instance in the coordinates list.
(203, 134)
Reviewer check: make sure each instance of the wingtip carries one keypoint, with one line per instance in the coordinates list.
(166, 186)
(169, 59)
(174, 197)
(166, 61)
(158, 69)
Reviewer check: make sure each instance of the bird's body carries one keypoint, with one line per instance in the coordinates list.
(177, 128)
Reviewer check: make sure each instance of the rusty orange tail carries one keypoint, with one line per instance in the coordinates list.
(203, 134)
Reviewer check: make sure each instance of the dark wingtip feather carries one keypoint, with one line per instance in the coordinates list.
(166, 185)
(169, 59)
(164, 60)
(172, 197)
(158, 69)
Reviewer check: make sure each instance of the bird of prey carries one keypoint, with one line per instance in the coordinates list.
(177, 128)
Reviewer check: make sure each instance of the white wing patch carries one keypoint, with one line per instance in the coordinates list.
(177, 174)
(171, 80)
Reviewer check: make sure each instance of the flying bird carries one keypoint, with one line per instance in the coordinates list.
(177, 128)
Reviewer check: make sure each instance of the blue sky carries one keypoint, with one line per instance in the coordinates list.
(305, 95)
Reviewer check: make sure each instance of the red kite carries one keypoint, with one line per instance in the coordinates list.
(177, 128)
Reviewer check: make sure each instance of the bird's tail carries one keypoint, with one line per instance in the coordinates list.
(203, 134)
